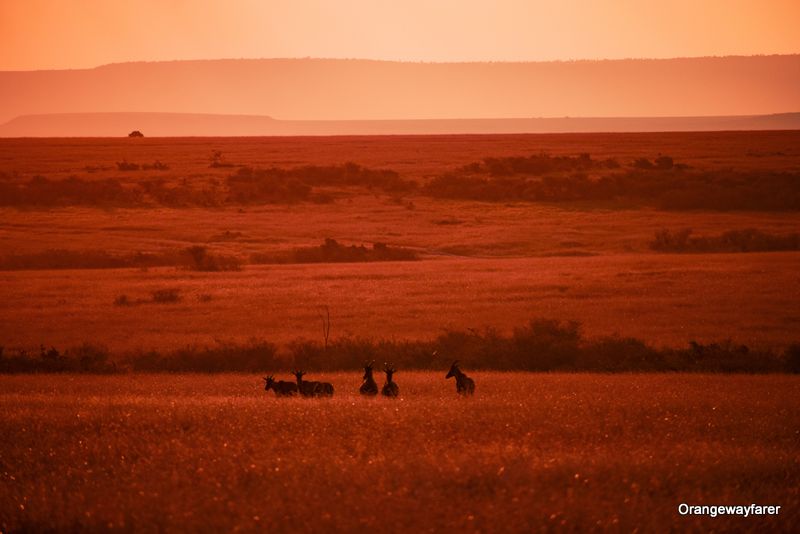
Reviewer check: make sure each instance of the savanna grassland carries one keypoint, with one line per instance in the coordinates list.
(530, 452)
(586, 254)
(601, 252)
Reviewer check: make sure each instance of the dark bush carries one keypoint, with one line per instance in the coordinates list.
(793, 358)
(88, 259)
(155, 166)
(542, 345)
(124, 165)
(663, 186)
(166, 296)
(82, 359)
(747, 240)
(200, 259)
(331, 251)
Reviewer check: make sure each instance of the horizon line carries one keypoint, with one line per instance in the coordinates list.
(407, 61)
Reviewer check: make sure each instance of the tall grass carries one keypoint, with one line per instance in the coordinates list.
(545, 452)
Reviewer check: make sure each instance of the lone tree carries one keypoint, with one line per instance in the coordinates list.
(136, 133)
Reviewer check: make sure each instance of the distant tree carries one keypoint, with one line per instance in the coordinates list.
(136, 133)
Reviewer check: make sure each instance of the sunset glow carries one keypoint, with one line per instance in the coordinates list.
(352, 266)
(38, 34)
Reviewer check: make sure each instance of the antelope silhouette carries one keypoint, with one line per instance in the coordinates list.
(369, 387)
(464, 384)
(280, 387)
(312, 389)
(390, 389)
(324, 389)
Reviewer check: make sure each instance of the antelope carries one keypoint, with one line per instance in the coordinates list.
(312, 389)
(464, 384)
(369, 387)
(390, 389)
(324, 389)
(280, 387)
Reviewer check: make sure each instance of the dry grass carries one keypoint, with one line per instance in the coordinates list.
(529, 452)
(495, 264)
(662, 299)
(415, 156)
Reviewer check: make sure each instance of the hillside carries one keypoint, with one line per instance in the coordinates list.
(326, 89)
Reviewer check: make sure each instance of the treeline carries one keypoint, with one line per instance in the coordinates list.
(537, 165)
(276, 184)
(541, 345)
(246, 186)
(200, 258)
(331, 251)
(191, 258)
(663, 189)
(659, 183)
(747, 240)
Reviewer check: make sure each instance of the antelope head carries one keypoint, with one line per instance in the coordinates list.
(389, 370)
(454, 370)
(368, 369)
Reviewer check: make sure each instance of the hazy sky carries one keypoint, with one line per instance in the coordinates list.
(36, 34)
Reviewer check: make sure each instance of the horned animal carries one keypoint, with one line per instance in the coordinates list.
(312, 389)
(464, 384)
(390, 389)
(280, 387)
(369, 387)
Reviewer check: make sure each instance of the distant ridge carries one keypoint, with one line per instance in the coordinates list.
(210, 125)
(341, 89)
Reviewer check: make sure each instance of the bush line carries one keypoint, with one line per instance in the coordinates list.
(541, 345)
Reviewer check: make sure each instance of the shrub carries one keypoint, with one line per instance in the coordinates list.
(202, 260)
(541, 345)
(166, 296)
(156, 166)
(122, 300)
(125, 166)
(664, 163)
(331, 251)
(85, 358)
(668, 240)
(747, 240)
(793, 358)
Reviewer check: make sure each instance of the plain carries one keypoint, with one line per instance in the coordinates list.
(530, 452)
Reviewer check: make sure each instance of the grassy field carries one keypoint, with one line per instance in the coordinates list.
(530, 452)
(664, 299)
(495, 264)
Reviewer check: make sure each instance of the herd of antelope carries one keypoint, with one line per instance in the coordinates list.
(369, 388)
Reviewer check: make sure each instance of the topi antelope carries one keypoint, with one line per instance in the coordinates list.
(464, 384)
(390, 389)
(280, 387)
(369, 387)
(312, 389)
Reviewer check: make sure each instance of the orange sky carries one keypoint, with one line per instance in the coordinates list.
(37, 34)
